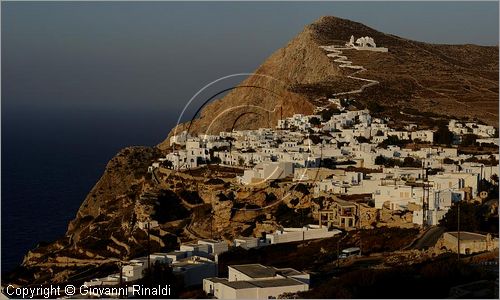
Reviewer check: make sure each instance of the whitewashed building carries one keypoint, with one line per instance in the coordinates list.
(255, 281)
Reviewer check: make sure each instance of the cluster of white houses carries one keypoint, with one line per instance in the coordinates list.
(193, 262)
(295, 140)
(298, 147)
(296, 150)
(461, 128)
(197, 263)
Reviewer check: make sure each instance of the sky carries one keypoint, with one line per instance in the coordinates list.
(97, 56)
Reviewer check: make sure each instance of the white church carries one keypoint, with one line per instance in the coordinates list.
(365, 43)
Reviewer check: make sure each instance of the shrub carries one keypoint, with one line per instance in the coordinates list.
(271, 197)
(300, 187)
(362, 139)
(328, 163)
(327, 114)
(222, 197)
(448, 161)
(169, 207)
(380, 160)
(215, 160)
(410, 162)
(314, 121)
(289, 217)
(215, 181)
(468, 140)
(443, 135)
(191, 197)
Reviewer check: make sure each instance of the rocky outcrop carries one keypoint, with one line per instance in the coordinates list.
(263, 98)
(104, 228)
(117, 190)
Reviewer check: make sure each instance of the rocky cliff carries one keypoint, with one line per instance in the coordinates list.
(262, 98)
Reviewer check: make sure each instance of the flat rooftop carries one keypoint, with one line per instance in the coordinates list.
(239, 285)
(255, 270)
(246, 238)
(276, 282)
(468, 236)
(209, 241)
(279, 282)
(344, 202)
(288, 272)
(216, 279)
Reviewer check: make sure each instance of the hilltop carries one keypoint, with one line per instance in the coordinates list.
(420, 79)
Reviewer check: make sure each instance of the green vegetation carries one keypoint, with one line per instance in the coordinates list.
(224, 197)
(167, 164)
(300, 187)
(432, 279)
(215, 160)
(374, 107)
(191, 197)
(315, 139)
(362, 139)
(317, 255)
(443, 135)
(473, 217)
(161, 275)
(215, 181)
(169, 207)
(314, 121)
(328, 163)
(289, 217)
(407, 162)
(270, 198)
(327, 114)
(491, 161)
(468, 140)
(448, 161)
(393, 140)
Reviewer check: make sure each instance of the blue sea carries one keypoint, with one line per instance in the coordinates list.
(51, 160)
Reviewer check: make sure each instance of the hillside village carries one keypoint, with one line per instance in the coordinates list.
(351, 153)
(400, 176)
(357, 172)
(342, 152)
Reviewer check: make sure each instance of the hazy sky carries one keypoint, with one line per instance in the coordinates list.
(156, 55)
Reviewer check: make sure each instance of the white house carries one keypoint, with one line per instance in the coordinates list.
(179, 139)
(135, 268)
(423, 135)
(266, 171)
(194, 270)
(309, 232)
(246, 242)
(215, 247)
(255, 281)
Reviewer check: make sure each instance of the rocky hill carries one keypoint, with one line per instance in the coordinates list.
(415, 77)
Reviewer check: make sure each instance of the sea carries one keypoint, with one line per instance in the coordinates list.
(51, 160)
